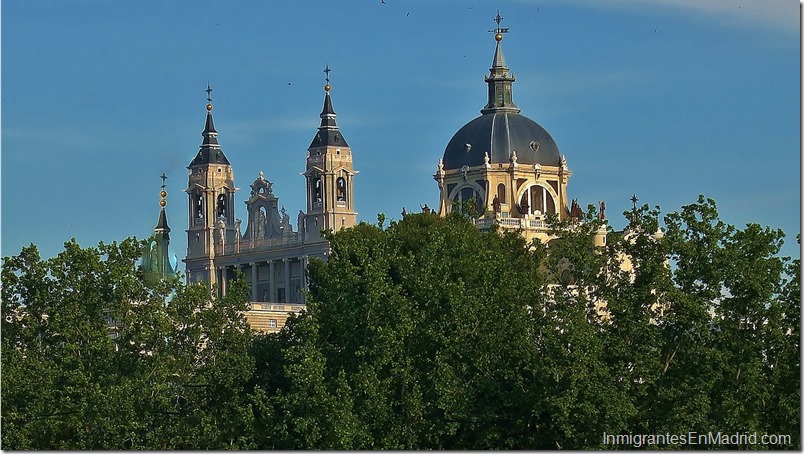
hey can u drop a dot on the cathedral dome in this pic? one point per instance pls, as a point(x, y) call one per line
point(499, 134)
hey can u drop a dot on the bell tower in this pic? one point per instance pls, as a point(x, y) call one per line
point(329, 177)
point(210, 191)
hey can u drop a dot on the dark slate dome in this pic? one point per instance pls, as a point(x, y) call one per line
point(498, 134)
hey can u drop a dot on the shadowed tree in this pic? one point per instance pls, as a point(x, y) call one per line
point(95, 358)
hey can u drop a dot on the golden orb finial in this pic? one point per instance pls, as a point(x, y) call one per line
point(209, 107)
point(163, 194)
point(327, 87)
point(162, 203)
point(498, 37)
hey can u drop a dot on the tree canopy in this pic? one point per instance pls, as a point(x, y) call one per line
point(423, 334)
point(95, 358)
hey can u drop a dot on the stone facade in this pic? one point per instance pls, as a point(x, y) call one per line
point(270, 254)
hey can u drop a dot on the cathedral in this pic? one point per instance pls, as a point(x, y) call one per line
point(502, 166)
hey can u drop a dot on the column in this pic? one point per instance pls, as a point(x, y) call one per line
point(272, 296)
point(303, 278)
point(287, 279)
point(253, 281)
point(224, 280)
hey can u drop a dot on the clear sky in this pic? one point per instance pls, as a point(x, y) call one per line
point(667, 99)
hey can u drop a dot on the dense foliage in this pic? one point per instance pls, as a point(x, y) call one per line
point(93, 358)
point(425, 334)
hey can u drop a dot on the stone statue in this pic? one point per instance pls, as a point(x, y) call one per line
point(222, 230)
point(602, 215)
point(575, 210)
point(404, 212)
point(262, 225)
point(496, 204)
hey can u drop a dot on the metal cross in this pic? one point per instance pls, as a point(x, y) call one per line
point(209, 91)
point(327, 70)
point(634, 200)
point(163, 177)
point(499, 19)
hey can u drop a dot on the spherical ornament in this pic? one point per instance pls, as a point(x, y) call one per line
point(498, 37)
point(209, 107)
point(162, 203)
point(163, 194)
point(327, 87)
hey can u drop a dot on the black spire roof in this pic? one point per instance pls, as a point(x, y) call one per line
point(210, 151)
point(328, 133)
point(162, 223)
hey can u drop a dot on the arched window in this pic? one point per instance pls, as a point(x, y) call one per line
point(341, 187)
point(501, 192)
point(459, 202)
point(222, 206)
point(199, 207)
point(536, 200)
point(318, 184)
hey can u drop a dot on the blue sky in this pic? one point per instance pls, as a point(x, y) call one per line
point(667, 99)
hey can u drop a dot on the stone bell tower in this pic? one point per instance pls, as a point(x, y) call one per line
point(330, 177)
point(210, 191)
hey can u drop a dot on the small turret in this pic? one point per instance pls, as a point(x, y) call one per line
point(156, 256)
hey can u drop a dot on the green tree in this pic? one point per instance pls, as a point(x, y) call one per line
point(95, 358)
point(701, 323)
point(428, 334)
point(429, 329)
point(747, 319)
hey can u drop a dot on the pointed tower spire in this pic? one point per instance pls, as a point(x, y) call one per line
point(328, 133)
point(210, 151)
point(162, 224)
point(499, 80)
point(156, 257)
